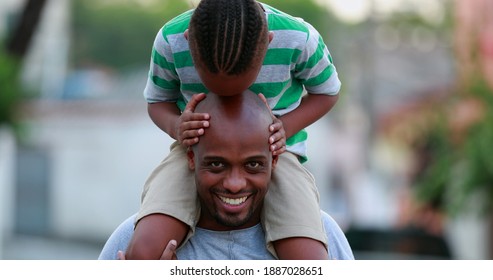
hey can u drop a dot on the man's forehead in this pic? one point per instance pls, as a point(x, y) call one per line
point(223, 146)
point(222, 157)
point(236, 123)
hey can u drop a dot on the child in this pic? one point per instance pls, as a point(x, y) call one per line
point(227, 47)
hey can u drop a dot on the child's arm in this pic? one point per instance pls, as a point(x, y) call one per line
point(153, 232)
point(311, 109)
point(185, 127)
point(151, 236)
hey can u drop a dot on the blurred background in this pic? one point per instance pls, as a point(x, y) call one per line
point(402, 162)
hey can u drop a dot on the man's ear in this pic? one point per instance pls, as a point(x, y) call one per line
point(191, 158)
point(186, 34)
point(274, 161)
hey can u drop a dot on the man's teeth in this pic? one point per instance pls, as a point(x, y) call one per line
point(233, 201)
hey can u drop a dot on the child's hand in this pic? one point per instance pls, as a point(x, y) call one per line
point(169, 252)
point(277, 139)
point(192, 125)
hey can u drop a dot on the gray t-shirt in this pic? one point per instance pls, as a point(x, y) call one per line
point(244, 244)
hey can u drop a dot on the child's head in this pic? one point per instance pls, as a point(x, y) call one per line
point(228, 40)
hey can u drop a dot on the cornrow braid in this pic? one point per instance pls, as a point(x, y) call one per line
point(227, 36)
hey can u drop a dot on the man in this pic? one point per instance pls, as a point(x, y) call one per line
point(233, 165)
point(226, 47)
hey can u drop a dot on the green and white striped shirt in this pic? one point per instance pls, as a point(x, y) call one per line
point(297, 60)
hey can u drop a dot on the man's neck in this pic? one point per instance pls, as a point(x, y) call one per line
point(230, 228)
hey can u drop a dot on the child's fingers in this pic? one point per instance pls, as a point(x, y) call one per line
point(278, 149)
point(190, 116)
point(188, 142)
point(193, 133)
point(196, 98)
point(120, 255)
point(278, 134)
point(194, 125)
point(169, 252)
point(190, 131)
point(264, 99)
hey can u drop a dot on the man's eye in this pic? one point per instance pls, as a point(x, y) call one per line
point(254, 165)
point(216, 164)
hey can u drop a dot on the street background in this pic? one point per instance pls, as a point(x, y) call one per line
point(400, 162)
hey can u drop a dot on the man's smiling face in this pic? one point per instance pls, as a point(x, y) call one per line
point(233, 165)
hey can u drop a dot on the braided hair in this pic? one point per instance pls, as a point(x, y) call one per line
point(228, 36)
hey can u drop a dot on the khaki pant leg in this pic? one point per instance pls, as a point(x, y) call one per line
point(292, 204)
point(170, 189)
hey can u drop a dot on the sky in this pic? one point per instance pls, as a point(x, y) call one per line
point(355, 11)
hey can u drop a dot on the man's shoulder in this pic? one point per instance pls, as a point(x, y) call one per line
point(328, 220)
point(339, 248)
point(118, 240)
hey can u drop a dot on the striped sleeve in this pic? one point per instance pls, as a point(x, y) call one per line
point(315, 68)
point(163, 84)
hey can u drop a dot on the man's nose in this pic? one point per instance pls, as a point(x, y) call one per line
point(235, 181)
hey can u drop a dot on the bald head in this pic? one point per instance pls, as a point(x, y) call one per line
point(244, 113)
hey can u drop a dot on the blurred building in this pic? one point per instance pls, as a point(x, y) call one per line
point(79, 168)
point(474, 40)
point(466, 61)
point(8, 11)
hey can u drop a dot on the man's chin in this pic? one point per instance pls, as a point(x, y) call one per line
point(232, 221)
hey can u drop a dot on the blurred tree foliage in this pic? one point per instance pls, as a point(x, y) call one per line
point(460, 165)
point(457, 151)
point(434, 160)
point(475, 151)
point(12, 51)
point(10, 91)
point(118, 34)
point(311, 12)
